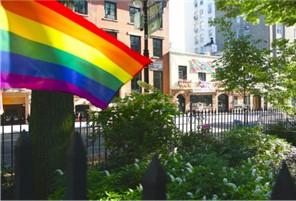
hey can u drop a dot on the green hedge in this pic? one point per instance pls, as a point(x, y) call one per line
point(242, 166)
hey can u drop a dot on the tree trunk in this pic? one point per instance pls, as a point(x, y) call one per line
point(51, 124)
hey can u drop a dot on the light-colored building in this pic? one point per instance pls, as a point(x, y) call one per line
point(192, 86)
point(116, 17)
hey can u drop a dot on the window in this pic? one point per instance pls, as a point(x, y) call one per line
point(195, 3)
point(135, 43)
point(202, 25)
point(204, 99)
point(235, 100)
point(132, 12)
point(279, 29)
point(210, 33)
point(182, 72)
point(157, 47)
point(157, 81)
point(201, 2)
point(202, 76)
point(196, 41)
point(112, 33)
point(201, 13)
point(209, 8)
point(202, 39)
point(81, 6)
point(110, 10)
point(134, 83)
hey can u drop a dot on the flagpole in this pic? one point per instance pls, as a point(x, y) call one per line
point(146, 51)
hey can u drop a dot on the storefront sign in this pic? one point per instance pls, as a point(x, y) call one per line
point(197, 66)
point(203, 87)
point(156, 66)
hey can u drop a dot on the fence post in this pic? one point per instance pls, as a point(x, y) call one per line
point(284, 188)
point(76, 168)
point(23, 168)
point(154, 181)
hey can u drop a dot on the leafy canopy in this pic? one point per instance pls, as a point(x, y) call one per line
point(274, 11)
point(138, 125)
point(244, 65)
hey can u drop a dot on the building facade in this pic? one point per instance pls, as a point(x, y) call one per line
point(118, 18)
point(192, 86)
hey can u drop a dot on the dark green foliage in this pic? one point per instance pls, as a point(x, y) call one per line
point(51, 124)
point(205, 172)
point(280, 130)
point(138, 125)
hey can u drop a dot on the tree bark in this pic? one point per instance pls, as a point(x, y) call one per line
point(51, 124)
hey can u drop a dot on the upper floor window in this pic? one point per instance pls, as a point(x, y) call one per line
point(112, 33)
point(202, 76)
point(209, 8)
point(157, 47)
point(195, 3)
point(210, 33)
point(201, 2)
point(110, 10)
point(132, 13)
point(182, 72)
point(279, 29)
point(81, 6)
point(201, 12)
point(135, 42)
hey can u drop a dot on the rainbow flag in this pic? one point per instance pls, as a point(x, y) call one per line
point(46, 46)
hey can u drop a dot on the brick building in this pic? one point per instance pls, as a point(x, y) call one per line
point(118, 18)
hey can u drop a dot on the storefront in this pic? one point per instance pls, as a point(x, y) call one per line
point(16, 105)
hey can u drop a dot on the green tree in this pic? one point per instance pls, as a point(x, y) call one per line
point(243, 66)
point(138, 125)
point(51, 123)
point(282, 89)
point(274, 11)
point(281, 92)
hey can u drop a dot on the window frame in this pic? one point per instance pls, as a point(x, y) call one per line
point(83, 4)
point(132, 16)
point(138, 49)
point(202, 76)
point(181, 70)
point(157, 48)
point(107, 16)
point(160, 79)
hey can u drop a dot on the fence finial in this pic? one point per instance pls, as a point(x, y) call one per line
point(76, 167)
point(154, 181)
point(23, 168)
point(284, 188)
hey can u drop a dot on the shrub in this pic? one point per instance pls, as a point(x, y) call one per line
point(205, 172)
point(138, 125)
point(280, 130)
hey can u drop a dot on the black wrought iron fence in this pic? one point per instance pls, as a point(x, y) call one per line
point(211, 122)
